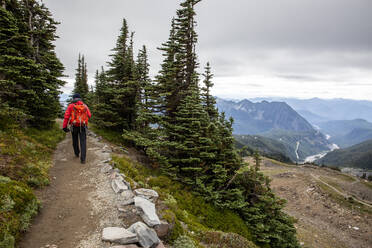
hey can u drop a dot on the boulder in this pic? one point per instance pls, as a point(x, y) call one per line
point(148, 211)
point(149, 194)
point(127, 195)
point(119, 235)
point(162, 230)
point(146, 236)
point(118, 185)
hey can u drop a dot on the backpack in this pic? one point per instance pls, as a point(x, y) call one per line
point(79, 115)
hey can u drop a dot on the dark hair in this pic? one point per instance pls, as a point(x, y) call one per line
point(76, 95)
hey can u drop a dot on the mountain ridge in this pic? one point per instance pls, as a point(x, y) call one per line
point(278, 121)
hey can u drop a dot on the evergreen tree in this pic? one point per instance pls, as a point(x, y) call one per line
point(188, 144)
point(81, 79)
point(123, 81)
point(146, 95)
point(198, 144)
point(209, 101)
point(31, 70)
point(104, 113)
point(180, 60)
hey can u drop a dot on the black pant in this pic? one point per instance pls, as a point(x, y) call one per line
point(76, 133)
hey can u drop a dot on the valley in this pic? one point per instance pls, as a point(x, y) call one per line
point(301, 131)
point(332, 209)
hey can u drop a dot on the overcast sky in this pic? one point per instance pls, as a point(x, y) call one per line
point(257, 48)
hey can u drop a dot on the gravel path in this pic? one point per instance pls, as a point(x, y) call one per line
point(78, 204)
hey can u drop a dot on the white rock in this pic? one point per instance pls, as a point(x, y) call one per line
point(118, 185)
point(148, 211)
point(127, 195)
point(106, 168)
point(119, 235)
point(355, 228)
point(149, 194)
point(146, 236)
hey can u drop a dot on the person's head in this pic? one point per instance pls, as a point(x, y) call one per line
point(76, 97)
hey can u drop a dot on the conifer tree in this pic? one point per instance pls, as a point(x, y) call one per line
point(81, 78)
point(122, 80)
point(178, 69)
point(146, 97)
point(209, 101)
point(199, 145)
point(104, 113)
point(32, 68)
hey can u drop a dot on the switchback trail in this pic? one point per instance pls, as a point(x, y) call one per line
point(78, 203)
point(339, 192)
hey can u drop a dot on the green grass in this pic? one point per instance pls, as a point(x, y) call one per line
point(181, 205)
point(279, 163)
point(346, 177)
point(25, 159)
point(111, 136)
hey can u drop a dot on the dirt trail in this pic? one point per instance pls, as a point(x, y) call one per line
point(78, 203)
point(339, 192)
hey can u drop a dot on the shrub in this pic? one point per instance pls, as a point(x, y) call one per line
point(184, 242)
point(223, 240)
point(18, 205)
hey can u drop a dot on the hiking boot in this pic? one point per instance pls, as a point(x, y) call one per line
point(76, 155)
point(83, 161)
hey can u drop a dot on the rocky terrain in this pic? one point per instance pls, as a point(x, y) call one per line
point(332, 209)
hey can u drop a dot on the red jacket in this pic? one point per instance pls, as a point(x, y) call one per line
point(69, 110)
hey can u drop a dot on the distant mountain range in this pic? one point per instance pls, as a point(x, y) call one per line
point(346, 133)
point(357, 156)
point(261, 117)
point(277, 121)
point(317, 110)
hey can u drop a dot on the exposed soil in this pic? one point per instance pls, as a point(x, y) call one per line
point(319, 199)
point(78, 203)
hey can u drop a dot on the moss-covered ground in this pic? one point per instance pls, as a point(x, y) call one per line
point(25, 159)
point(189, 213)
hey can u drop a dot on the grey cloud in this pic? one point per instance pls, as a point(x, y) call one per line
point(300, 77)
point(298, 40)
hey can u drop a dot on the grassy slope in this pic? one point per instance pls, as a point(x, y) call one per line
point(25, 158)
point(266, 146)
point(207, 225)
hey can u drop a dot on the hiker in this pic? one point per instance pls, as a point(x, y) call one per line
point(77, 115)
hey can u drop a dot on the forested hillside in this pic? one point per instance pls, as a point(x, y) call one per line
point(29, 89)
point(356, 156)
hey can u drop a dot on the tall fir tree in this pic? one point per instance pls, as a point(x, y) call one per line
point(178, 69)
point(209, 101)
point(81, 78)
point(33, 68)
point(123, 81)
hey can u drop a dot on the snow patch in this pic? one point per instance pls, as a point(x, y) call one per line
point(296, 151)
